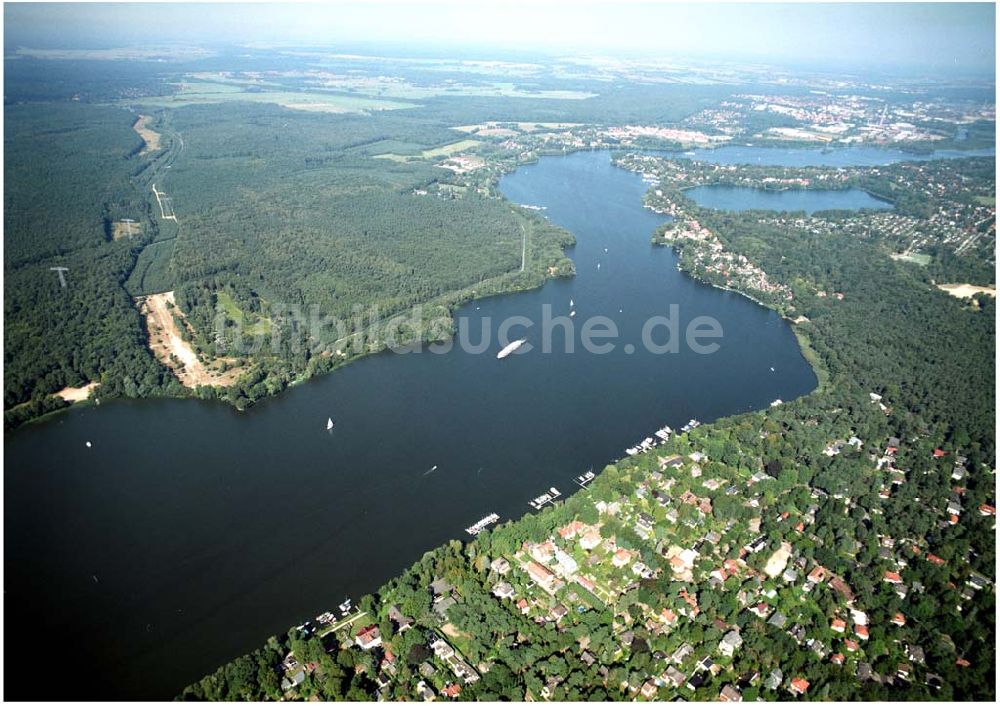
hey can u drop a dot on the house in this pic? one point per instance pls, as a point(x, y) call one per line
point(543, 552)
point(648, 690)
point(442, 649)
point(774, 680)
point(681, 653)
point(542, 576)
point(585, 582)
point(621, 558)
point(590, 539)
point(368, 638)
point(730, 643)
point(838, 625)
point(899, 619)
point(523, 606)
point(424, 692)
point(861, 631)
point(290, 682)
point(987, 510)
point(503, 590)
point(566, 562)
point(837, 658)
point(892, 577)
point(840, 586)
point(571, 530)
point(670, 462)
point(587, 658)
point(798, 686)
point(936, 560)
point(667, 617)
point(440, 589)
point(558, 612)
point(402, 622)
point(915, 653)
point(778, 620)
point(441, 607)
point(818, 575)
point(675, 677)
point(500, 565)
point(452, 690)
point(730, 693)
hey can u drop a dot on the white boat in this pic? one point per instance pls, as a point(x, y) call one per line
point(510, 348)
point(772, 370)
point(598, 265)
point(329, 423)
point(605, 249)
point(570, 303)
point(572, 314)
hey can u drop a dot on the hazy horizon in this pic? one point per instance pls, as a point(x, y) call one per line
point(958, 38)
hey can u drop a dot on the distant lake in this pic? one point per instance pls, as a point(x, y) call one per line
point(857, 156)
point(188, 532)
point(739, 198)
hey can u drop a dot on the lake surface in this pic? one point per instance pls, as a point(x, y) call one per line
point(741, 198)
point(857, 156)
point(189, 532)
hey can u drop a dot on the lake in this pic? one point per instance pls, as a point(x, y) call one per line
point(855, 156)
point(742, 198)
point(189, 533)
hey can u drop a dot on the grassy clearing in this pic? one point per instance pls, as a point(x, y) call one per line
point(448, 150)
point(233, 311)
point(917, 258)
point(433, 153)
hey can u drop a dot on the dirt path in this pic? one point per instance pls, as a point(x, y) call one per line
point(172, 350)
point(150, 137)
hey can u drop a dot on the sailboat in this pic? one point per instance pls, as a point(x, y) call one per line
point(570, 303)
point(329, 424)
point(598, 265)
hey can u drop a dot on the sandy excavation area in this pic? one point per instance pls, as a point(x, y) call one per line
point(150, 137)
point(77, 394)
point(964, 291)
point(170, 348)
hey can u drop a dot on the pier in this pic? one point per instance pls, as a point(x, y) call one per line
point(540, 502)
point(482, 524)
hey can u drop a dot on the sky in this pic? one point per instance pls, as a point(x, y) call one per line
point(955, 36)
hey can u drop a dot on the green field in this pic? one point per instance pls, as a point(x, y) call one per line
point(208, 93)
point(442, 151)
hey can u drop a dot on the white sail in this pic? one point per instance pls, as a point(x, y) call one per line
point(329, 423)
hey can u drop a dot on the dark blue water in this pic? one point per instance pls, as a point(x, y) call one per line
point(189, 532)
point(739, 198)
point(859, 156)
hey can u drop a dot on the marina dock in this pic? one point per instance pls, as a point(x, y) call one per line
point(482, 524)
point(539, 502)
